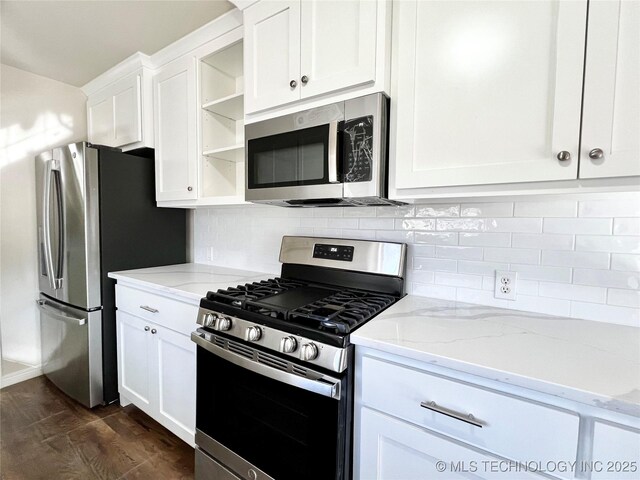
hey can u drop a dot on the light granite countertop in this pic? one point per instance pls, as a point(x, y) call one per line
point(590, 362)
point(189, 281)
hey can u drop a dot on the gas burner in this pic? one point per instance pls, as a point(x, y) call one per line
point(238, 296)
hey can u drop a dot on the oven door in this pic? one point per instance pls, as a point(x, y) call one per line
point(294, 159)
point(262, 421)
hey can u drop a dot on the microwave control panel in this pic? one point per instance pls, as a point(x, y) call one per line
point(357, 138)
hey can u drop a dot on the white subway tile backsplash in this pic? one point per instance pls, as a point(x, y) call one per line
point(548, 274)
point(561, 208)
point(606, 278)
point(624, 298)
point(512, 255)
point(487, 210)
point(574, 226)
point(437, 210)
point(625, 262)
point(376, 224)
point(573, 292)
point(434, 264)
point(563, 258)
point(544, 241)
point(626, 226)
point(578, 259)
point(415, 224)
point(485, 239)
point(514, 225)
point(624, 206)
point(461, 253)
point(449, 238)
point(608, 243)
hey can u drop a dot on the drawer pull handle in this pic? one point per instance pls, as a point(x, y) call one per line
point(468, 418)
point(149, 309)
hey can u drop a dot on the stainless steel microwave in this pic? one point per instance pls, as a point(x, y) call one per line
point(326, 156)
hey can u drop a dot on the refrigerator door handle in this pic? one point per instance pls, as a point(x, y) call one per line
point(57, 280)
point(53, 312)
point(46, 221)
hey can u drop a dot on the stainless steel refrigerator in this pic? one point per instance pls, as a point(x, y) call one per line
point(96, 213)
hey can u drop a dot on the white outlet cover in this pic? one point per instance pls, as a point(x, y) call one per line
point(505, 285)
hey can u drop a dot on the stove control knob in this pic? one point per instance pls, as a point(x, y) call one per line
point(253, 334)
point(308, 352)
point(288, 345)
point(222, 324)
point(207, 319)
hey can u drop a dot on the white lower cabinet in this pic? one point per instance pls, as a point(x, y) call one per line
point(616, 452)
point(157, 363)
point(391, 449)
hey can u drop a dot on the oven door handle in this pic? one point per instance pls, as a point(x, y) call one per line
point(323, 385)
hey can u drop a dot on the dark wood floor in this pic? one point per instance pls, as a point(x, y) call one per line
point(46, 435)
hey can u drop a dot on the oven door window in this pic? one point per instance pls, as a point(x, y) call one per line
point(289, 159)
point(287, 432)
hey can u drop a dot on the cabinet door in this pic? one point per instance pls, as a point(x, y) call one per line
point(272, 54)
point(127, 111)
point(611, 119)
point(100, 120)
point(133, 360)
point(390, 449)
point(174, 381)
point(486, 92)
point(616, 451)
point(337, 44)
point(174, 92)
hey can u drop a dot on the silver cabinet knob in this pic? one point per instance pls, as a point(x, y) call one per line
point(293, 84)
point(596, 154)
point(154, 331)
point(253, 334)
point(564, 156)
point(146, 329)
point(190, 189)
point(288, 345)
point(304, 79)
point(309, 351)
point(222, 324)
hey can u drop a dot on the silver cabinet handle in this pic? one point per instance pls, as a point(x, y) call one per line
point(147, 328)
point(564, 156)
point(596, 154)
point(149, 309)
point(154, 331)
point(293, 84)
point(468, 418)
point(304, 79)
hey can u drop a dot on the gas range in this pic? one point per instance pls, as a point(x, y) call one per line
point(309, 311)
point(275, 368)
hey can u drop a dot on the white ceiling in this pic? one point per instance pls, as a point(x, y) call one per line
point(75, 41)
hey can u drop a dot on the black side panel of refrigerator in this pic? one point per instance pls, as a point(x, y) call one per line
point(134, 233)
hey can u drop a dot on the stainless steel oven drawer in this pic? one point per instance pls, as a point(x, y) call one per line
point(208, 469)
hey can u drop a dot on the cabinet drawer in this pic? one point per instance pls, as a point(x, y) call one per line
point(164, 311)
point(616, 452)
point(510, 427)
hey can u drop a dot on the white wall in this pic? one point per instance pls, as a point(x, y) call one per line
point(574, 258)
point(36, 113)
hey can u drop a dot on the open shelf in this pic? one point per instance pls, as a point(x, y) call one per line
point(234, 153)
point(231, 106)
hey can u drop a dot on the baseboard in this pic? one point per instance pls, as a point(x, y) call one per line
point(20, 376)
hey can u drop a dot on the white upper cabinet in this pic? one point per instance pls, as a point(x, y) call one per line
point(486, 92)
point(174, 93)
point(272, 54)
point(611, 122)
point(299, 49)
point(119, 106)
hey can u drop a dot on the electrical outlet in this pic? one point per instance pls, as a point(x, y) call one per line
point(505, 286)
